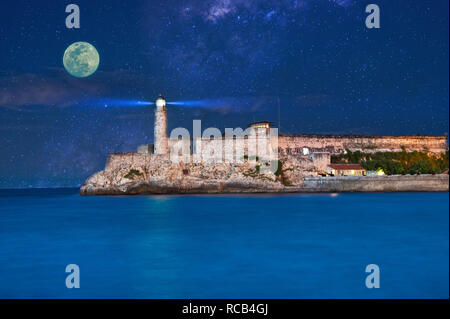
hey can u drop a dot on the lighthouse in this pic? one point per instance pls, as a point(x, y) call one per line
point(161, 143)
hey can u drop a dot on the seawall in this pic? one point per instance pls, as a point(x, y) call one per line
point(395, 183)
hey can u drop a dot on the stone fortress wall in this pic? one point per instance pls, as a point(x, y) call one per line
point(117, 160)
point(316, 148)
point(337, 144)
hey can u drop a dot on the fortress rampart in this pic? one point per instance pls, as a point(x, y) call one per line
point(118, 160)
point(333, 144)
point(336, 144)
point(298, 145)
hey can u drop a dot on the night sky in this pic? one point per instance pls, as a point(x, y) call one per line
point(235, 57)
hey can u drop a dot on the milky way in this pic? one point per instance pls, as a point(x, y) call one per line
point(227, 62)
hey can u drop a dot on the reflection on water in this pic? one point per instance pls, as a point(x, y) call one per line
point(270, 246)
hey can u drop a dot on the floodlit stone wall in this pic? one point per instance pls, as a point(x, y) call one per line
point(298, 145)
point(335, 144)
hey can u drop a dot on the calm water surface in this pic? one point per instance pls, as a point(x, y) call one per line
point(289, 246)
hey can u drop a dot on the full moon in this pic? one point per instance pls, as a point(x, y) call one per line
point(81, 59)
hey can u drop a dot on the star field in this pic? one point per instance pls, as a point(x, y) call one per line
point(330, 73)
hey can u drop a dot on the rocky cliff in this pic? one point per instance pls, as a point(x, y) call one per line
point(134, 173)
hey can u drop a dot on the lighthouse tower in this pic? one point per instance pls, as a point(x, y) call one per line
point(161, 140)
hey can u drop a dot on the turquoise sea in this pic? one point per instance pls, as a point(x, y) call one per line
point(261, 246)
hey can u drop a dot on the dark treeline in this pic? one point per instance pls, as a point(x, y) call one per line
point(397, 163)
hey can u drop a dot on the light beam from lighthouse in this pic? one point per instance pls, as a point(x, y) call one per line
point(160, 134)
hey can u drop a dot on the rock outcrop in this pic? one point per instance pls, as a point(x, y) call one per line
point(134, 173)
